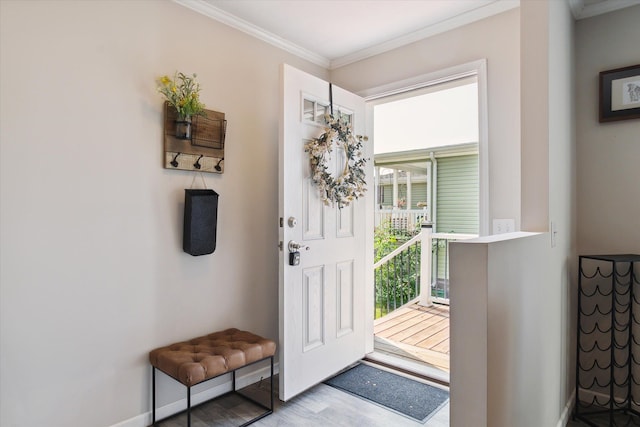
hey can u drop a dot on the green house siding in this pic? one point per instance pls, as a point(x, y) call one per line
point(458, 195)
point(418, 194)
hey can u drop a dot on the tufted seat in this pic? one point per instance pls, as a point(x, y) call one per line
point(199, 359)
point(203, 358)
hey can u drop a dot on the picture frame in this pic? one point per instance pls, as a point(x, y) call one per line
point(620, 94)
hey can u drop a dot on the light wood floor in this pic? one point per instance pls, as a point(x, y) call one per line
point(416, 332)
point(321, 405)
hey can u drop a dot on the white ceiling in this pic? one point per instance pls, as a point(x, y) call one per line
point(332, 33)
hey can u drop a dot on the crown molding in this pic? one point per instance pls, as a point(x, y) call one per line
point(481, 12)
point(207, 9)
point(581, 10)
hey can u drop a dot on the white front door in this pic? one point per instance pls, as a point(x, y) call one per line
point(322, 299)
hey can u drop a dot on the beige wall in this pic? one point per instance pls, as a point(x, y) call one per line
point(496, 39)
point(608, 153)
point(92, 270)
point(534, 114)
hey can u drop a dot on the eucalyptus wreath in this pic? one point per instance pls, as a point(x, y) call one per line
point(350, 184)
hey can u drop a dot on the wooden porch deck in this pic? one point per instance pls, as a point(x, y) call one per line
point(417, 333)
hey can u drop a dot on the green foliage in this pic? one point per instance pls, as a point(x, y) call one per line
point(183, 93)
point(396, 282)
point(385, 241)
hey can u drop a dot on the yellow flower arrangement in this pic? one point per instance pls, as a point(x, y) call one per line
point(183, 93)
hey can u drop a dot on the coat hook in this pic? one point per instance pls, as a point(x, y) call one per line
point(174, 162)
point(197, 164)
point(217, 166)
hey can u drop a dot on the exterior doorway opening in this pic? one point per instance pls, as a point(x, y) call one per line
point(427, 170)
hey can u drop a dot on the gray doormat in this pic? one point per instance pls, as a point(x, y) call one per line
point(400, 394)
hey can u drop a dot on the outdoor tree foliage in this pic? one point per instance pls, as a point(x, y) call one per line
point(397, 281)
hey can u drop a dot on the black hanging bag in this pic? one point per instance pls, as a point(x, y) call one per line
point(200, 220)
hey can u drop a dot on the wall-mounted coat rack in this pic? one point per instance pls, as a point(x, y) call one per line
point(204, 150)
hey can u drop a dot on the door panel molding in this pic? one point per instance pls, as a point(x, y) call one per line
point(344, 297)
point(313, 307)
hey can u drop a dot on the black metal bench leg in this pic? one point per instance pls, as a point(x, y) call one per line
point(188, 406)
point(271, 380)
point(153, 395)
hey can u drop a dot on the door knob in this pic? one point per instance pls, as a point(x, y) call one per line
point(295, 246)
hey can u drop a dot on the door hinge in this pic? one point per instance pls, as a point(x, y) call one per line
point(281, 222)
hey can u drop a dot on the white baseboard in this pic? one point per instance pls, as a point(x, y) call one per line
point(591, 395)
point(568, 409)
point(144, 420)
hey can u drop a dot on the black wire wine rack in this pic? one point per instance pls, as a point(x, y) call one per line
point(608, 341)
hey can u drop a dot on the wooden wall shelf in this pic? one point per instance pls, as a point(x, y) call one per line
point(204, 152)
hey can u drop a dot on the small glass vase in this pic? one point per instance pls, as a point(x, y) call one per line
point(183, 127)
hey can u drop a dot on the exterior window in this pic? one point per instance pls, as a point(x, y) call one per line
point(308, 110)
point(320, 112)
point(314, 111)
point(346, 117)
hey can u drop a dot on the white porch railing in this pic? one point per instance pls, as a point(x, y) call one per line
point(398, 275)
point(406, 220)
point(440, 264)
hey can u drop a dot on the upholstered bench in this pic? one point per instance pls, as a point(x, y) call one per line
point(205, 358)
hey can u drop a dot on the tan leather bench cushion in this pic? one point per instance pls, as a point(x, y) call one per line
point(199, 359)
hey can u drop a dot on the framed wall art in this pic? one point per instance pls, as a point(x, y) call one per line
point(620, 94)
